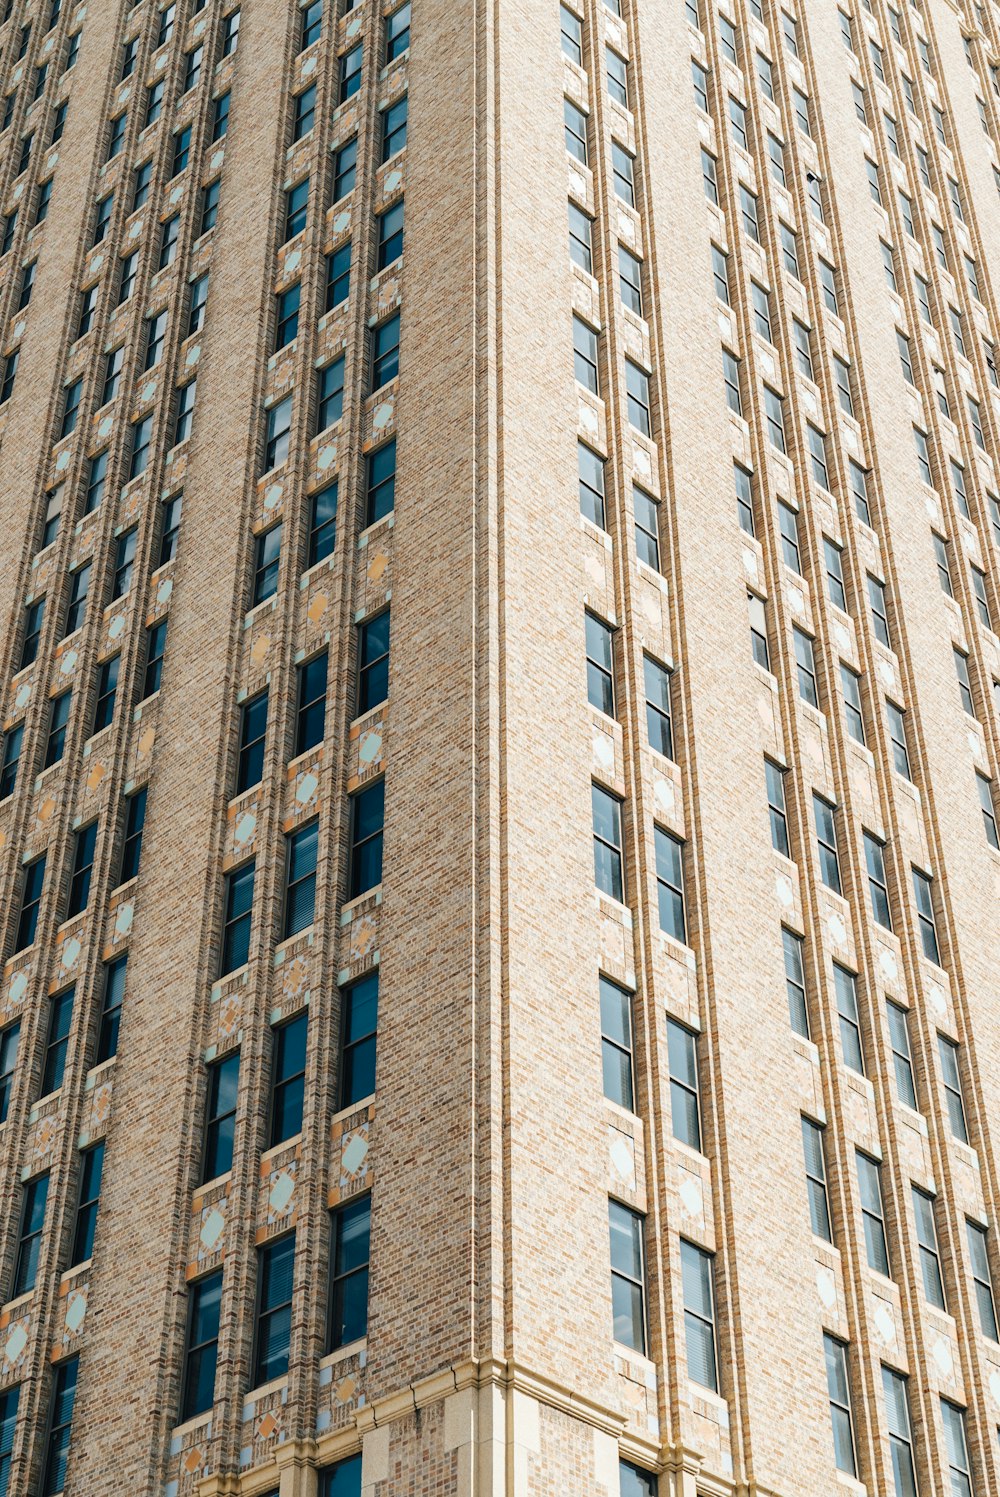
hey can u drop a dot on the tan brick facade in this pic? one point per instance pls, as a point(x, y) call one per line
point(806, 196)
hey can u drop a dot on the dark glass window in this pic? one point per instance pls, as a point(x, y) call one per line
point(300, 893)
point(60, 1427)
point(381, 483)
point(135, 820)
point(220, 1115)
point(288, 1078)
point(111, 1010)
point(359, 1028)
point(322, 524)
point(29, 1243)
point(275, 1274)
point(253, 731)
point(91, 1169)
point(83, 866)
point(373, 662)
point(202, 1347)
point(31, 895)
point(57, 1041)
point(239, 912)
point(367, 819)
point(310, 723)
point(351, 1228)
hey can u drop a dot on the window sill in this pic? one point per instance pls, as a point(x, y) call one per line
point(211, 1186)
point(361, 1105)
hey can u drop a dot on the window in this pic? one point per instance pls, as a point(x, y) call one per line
point(350, 73)
point(623, 166)
point(111, 1009)
point(359, 1027)
point(833, 558)
point(267, 561)
point(748, 214)
point(57, 1042)
point(617, 77)
point(930, 1264)
point(982, 1278)
point(775, 781)
point(297, 200)
point(135, 820)
point(124, 563)
point(859, 488)
point(344, 170)
point(185, 411)
point(774, 411)
point(33, 615)
point(923, 456)
point(230, 33)
point(31, 895)
point(952, 1079)
point(846, 989)
point(166, 24)
point(697, 1274)
point(953, 1419)
point(872, 1212)
point(201, 1349)
point(390, 235)
point(58, 719)
point(351, 1232)
point(71, 406)
point(591, 483)
point(896, 721)
point(155, 330)
point(817, 455)
point(720, 274)
point(312, 18)
point(606, 810)
point(60, 1427)
point(585, 354)
point(141, 436)
point(616, 1043)
point(181, 151)
point(897, 1409)
point(116, 137)
point(805, 667)
point(923, 895)
point(902, 1059)
point(815, 1162)
point(9, 375)
point(727, 37)
point(575, 122)
point(943, 567)
point(789, 250)
point(788, 525)
point(154, 102)
point(670, 883)
point(979, 589)
point(985, 789)
point(304, 116)
point(647, 528)
point(192, 69)
point(393, 129)
point(628, 1293)
point(795, 983)
point(287, 325)
point(322, 524)
point(91, 1168)
point(637, 388)
point(279, 422)
point(964, 684)
point(310, 718)
point(156, 644)
point(367, 821)
point(731, 380)
point(273, 1330)
point(758, 630)
point(631, 1481)
point(656, 682)
point(29, 1242)
point(238, 914)
point(343, 1479)
point(877, 887)
point(84, 844)
point(338, 277)
point(685, 1111)
point(196, 311)
point(112, 374)
point(397, 32)
point(373, 663)
point(838, 1387)
point(571, 32)
point(761, 299)
point(9, 1400)
point(828, 282)
point(385, 352)
point(253, 730)
point(210, 205)
point(738, 122)
point(600, 664)
point(12, 742)
point(300, 889)
point(220, 1116)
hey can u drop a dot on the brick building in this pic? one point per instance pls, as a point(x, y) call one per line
point(499, 745)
